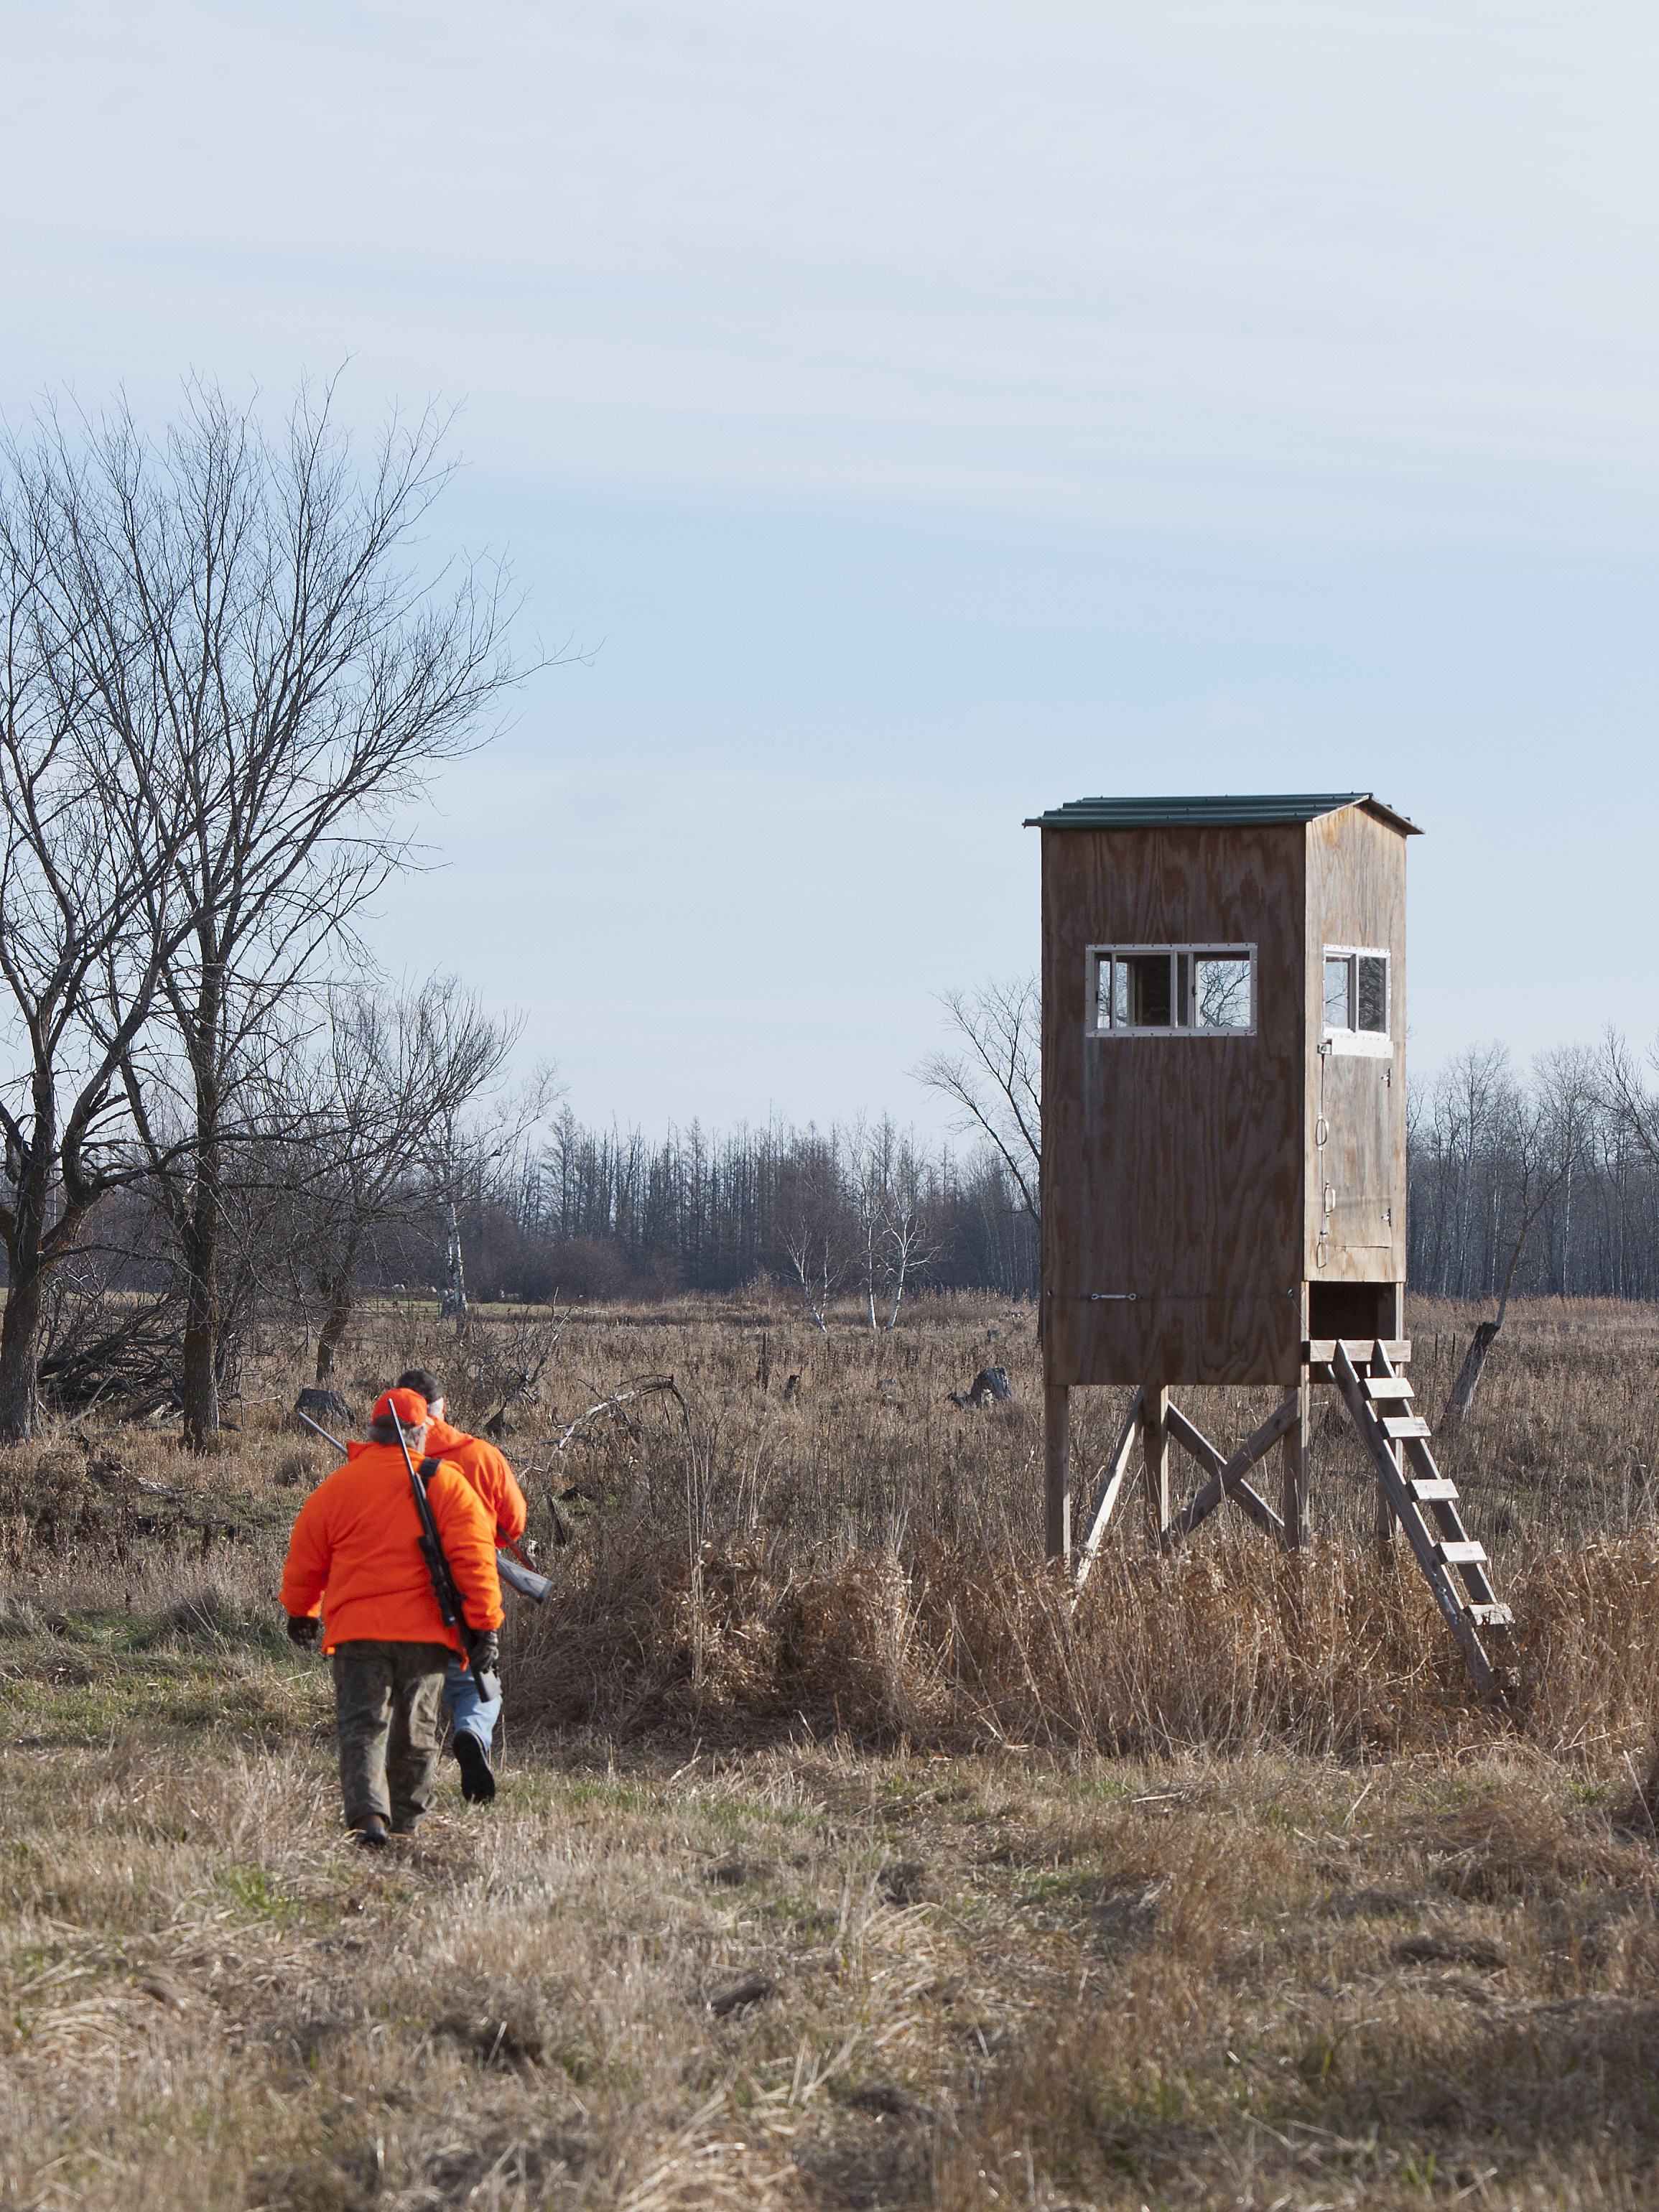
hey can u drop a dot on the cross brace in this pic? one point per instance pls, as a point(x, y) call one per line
point(1421, 1499)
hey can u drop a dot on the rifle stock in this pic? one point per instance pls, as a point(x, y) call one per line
point(523, 1579)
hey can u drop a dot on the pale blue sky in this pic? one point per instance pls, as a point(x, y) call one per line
point(924, 415)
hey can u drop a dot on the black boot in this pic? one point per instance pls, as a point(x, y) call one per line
point(478, 1782)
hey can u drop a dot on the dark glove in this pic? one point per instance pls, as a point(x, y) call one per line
point(485, 1656)
point(302, 1630)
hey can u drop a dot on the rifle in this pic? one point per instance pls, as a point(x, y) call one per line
point(450, 1608)
point(514, 1569)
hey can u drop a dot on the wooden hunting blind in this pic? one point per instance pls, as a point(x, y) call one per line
point(1223, 1152)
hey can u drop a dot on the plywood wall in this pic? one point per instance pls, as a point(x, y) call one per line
point(1174, 1167)
point(1189, 1170)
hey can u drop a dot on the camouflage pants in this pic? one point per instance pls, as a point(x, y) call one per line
point(386, 1700)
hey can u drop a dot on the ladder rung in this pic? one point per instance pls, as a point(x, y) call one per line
point(1387, 1386)
point(1469, 1554)
point(1427, 1490)
point(1491, 1616)
point(1404, 1424)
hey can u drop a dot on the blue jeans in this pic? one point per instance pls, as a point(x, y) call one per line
point(470, 1714)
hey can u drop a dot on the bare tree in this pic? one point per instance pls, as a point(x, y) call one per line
point(1623, 1087)
point(248, 616)
point(370, 1118)
point(89, 918)
point(820, 1266)
point(994, 1077)
point(1572, 1081)
point(884, 1189)
point(1537, 1132)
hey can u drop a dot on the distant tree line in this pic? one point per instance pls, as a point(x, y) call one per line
point(1540, 1180)
point(861, 1208)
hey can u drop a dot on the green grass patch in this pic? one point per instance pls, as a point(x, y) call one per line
point(100, 1675)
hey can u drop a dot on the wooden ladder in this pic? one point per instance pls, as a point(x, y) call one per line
point(1423, 1501)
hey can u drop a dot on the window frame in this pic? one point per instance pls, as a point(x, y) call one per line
point(1370, 1044)
point(1208, 946)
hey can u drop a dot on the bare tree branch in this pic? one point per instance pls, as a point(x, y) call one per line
point(995, 1079)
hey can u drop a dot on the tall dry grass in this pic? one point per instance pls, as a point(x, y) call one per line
point(1235, 1648)
point(811, 1529)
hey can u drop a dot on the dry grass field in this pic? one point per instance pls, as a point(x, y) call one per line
point(838, 1861)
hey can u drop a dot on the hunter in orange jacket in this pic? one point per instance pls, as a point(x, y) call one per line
point(487, 1470)
point(473, 1717)
point(356, 1551)
point(484, 1468)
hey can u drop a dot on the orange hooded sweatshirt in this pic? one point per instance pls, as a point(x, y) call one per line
point(487, 1470)
point(356, 1551)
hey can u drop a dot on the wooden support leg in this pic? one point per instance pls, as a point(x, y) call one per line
point(1154, 1452)
point(1293, 1454)
point(1057, 1471)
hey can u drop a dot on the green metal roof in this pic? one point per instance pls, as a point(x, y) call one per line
point(1251, 809)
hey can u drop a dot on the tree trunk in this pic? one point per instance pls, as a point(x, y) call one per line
point(27, 1264)
point(328, 1337)
point(1468, 1374)
point(456, 1304)
point(19, 1334)
point(201, 1344)
point(339, 1312)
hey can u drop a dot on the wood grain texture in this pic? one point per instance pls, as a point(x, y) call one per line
point(1173, 1165)
point(1188, 1170)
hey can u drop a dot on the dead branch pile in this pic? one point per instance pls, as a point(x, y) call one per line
point(104, 1350)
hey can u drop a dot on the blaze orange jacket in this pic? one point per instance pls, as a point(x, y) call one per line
point(356, 1551)
point(487, 1470)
